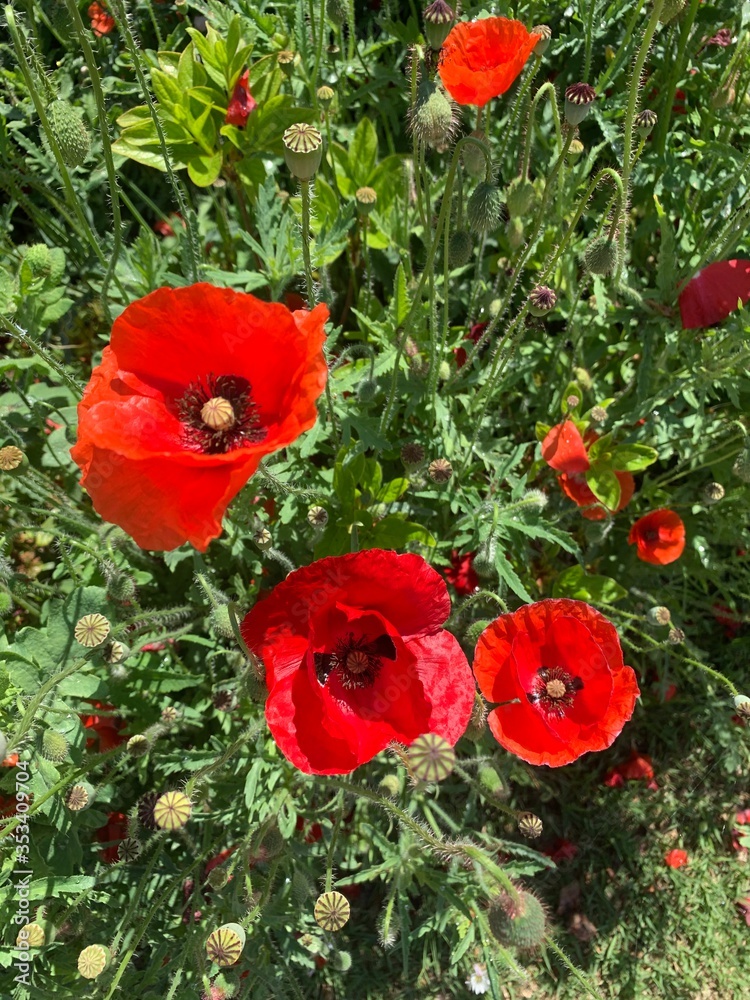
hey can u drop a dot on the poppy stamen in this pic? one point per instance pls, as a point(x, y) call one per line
point(358, 660)
point(554, 690)
point(218, 414)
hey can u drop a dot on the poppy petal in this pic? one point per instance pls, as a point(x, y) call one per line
point(713, 293)
point(563, 448)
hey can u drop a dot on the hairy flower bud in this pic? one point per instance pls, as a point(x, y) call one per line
point(70, 133)
point(601, 256)
point(484, 208)
point(459, 248)
point(337, 11)
point(519, 196)
point(671, 9)
point(579, 99)
point(433, 118)
point(472, 157)
point(54, 746)
point(37, 259)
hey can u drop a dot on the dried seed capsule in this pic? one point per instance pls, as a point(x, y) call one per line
point(10, 458)
point(431, 757)
point(172, 810)
point(128, 850)
point(115, 652)
point(317, 516)
point(80, 797)
point(224, 945)
point(92, 630)
point(332, 911)
point(675, 636)
point(713, 492)
point(742, 705)
point(412, 455)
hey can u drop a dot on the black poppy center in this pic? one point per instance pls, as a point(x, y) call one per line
point(554, 690)
point(356, 659)
point(651, 535)
point(218, 414)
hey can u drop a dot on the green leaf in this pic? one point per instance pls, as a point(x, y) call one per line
point(510, 577)
point(542, 430)
point(600, 447)
point(571, 389)
point(633, 457)
point(167, 89)
point(392, 532)
point(203, 170)
point(393, 490)
point(582, 586)
point(605, 485)
point(400, 304)
point(363, 152)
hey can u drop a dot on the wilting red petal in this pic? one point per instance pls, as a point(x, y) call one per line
point(659, 537)
point(480, 60)
point(242, 102)
point(714, 293)
point(563, 448)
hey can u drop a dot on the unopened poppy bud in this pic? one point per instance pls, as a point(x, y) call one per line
point(433, 118)
point(536, 498)
point(342, 961)
point(675, 636)
point(92, 630)
point(325, 96)
point(472, 157)
point(484, 562)
point(601, 256)
point(644, 121)
point(519, 196)
point(583, 377)
point(514, 234)
point(6, 606)
point(138, 745)
point(459, 248)
point(440, 470)
point(542, 300)
point(659, 615)
point(530, 826)
point(303, 150)
point(518, 919)
point(542, 45)
point(121, 587)
point(80, 796)
point(10, 458)
point(70, 133)
point(579, 99)
point(472, 633)
point(93, 961)
point(431, 757)
point(389, 785)
point(713, 492)
point(484, 208)
point(366, 199)
point(263, 539)
point(128, 850)
point(575, 149)
point(224, 944)
point(331, 911)
point(337, 11)
point(286, 59)
point(742, 705)
point(444, 371)
point(172, 810)
point(317, 516)
point(412, 455)
point(491, 782)
point(54, 746)
point(37, 259)
point(671, 9)
point(438, 20)
point(598, 414)
point(220, 621)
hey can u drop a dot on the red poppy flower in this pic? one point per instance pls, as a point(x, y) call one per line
point(113, 831)
point(660, 537)
point(106, 727)
point(555, 669)
point(356, 658)
point(197, 386)
point(575, 487)
point(715, 292)
point(474, 335)
point(743, 905)
point(461, 573)
point(242, 102)
point(638, 767)
point(10, 761)
point(564, 450)
point(102, 21)
point(676, 858)
point(481, 59)
point(562, 850)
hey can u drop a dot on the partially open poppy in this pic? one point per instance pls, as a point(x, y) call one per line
point(197, 385)
point(105, 727)
point(555, 671)
point(564, 450)
point(102, 21)
point(659, 536)
point(575, 487)
point(481, 59)
point(714, 293)
point(356, 657)
point(242, 102)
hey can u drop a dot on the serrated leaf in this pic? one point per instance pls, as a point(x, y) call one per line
point(511, 578)
point(582, 586)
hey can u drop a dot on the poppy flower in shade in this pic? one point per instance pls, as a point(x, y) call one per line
point(659, 536)
point(638, 767)
point(676, 858)
point(197, 385)
point(575, 487)
point(564, 450)
point(105, 727)
point(480, 60)
point(461, 573)
point(555, 671)
point(562, 850)
point(242, 102)
point(356, 658)
point(474, 335)
point(715, 292)
point(113, 831)
point(102, 21)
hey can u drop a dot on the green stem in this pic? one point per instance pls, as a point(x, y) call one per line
point(305, 188)
point(517, 105)
point(318, 52)
point(23, 338)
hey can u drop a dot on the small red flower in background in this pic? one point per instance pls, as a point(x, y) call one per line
point(356, 657)
point(113, 831)
point(10, 761)
point(102, 21)
point(722, 38)
point(556, 670)
point(564, 450)
point(562, 850)
point(474, 335)
point(7, 805)
point(461, 573)
point(743, 905)
point(741, 818)
point(659, 536)
point(638, 767)
point(575, 487)
point(242, 102)
point(480, 60)
point(313, 834)
point(715, 292)
point(728, 620)
point(676, 858)
point(197, 385)
point(106, 727)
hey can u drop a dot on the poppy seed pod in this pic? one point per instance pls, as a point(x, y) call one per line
point(70, 133)
point(579, 99)
point(440, 470)
point(484, 208)
point(601, 256)
point(337, 11)
point(10, 458)
point(659, 615)
point(545, 37)
point(542, 300)
point(92, 630)
point(224, 945)
point(332, 911)
point(138, 745)
point(317, 516)
point(31, 936)
point(431, 758)
point(438, 20)
point(459, 248)
point(742, 705)
point(172, 810)
point(93, 961)
point(598, 413)
point(575, 149)
point(530, 826)
point(713, 492)
point(325, 96)
point(518, 919)
point(412, 455)
point(366, 199)
point(472, 157)
point(80, 796)
point(644, 121)
point(432, 119)
point(303, 150)
point(285, 60)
